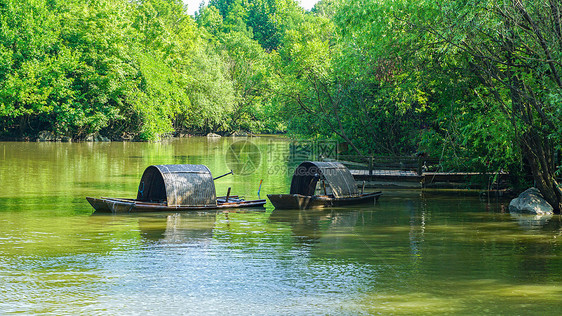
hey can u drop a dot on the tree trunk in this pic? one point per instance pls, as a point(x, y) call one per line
point(538, 153)
point(535, 146)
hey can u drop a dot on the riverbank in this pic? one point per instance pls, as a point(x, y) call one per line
point(48, 136)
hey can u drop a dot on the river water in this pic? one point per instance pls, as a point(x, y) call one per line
point(412, 252)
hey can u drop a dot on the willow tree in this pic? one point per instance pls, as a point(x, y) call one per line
point(511, 53)
point(495, 62)
point(514, 48)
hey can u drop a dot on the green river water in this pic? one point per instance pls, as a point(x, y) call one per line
point(412, 253)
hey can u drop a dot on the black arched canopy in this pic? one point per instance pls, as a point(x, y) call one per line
point(334, 174)
point(178, 185)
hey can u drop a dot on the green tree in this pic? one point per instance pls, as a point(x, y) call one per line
point(246, 64)
point(487, 70)
point(160, 98)
point(210, 90)
point(116, 67)
point(514, 48)
point(64, 67)
point(337, 82)
point(266, 19)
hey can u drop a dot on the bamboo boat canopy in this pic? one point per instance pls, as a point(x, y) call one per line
point(178, 185)
point(334, 174)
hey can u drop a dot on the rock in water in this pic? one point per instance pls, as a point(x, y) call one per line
point(530, 201)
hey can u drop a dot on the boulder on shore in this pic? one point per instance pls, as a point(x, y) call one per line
point(47, 136)
point(96, 138)
point(530, 201)
point(240, 134)
point(213, 135)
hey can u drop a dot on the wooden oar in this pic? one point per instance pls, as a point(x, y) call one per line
point(226, 174)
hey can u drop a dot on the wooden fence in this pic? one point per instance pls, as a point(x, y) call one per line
point(418, 164)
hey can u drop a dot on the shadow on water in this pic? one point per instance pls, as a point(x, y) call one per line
point(305, 225)
point(177, 227)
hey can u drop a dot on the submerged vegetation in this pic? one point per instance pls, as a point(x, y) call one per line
point(474, 82)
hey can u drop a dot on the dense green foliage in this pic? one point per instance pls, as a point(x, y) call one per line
point(125, 69)
point(475, 83)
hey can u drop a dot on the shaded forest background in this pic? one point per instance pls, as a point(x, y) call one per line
point(474, 82)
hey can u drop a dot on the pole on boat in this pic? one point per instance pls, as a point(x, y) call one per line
point(363, 188)
point(226, 174)
point(259, 189)
point(227, 195)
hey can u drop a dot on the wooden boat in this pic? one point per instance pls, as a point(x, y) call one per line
point(174, 188)
point(302, 202)
point(322, 184)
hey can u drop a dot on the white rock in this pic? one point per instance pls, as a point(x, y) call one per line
point(530, 201)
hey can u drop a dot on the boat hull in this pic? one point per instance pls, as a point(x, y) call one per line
point(302, 202)
point(116, 205)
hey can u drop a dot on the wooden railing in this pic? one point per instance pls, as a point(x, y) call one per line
point(419, 164)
